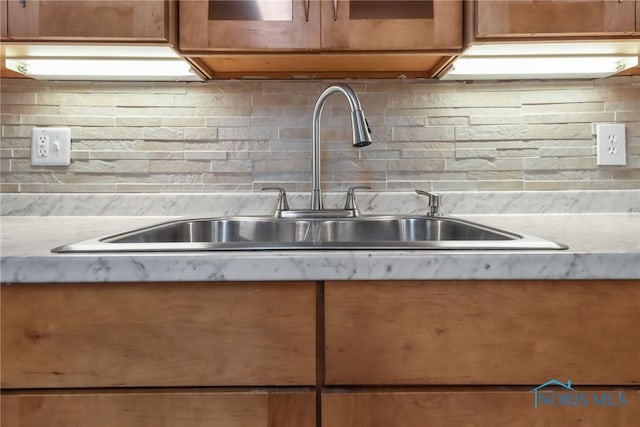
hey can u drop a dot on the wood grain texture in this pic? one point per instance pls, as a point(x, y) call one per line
point(3, 20)
point(167, 408)
point(322, 65)
point(482, 332)
point(86, 20)
point(469, 408)
point(554, 18)
point(292, 409)
point(441, 33)
point(171, 334)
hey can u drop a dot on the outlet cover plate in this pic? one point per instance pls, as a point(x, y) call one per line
point(611, 144)
point(50, 146)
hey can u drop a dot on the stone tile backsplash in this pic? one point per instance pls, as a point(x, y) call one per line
point(245, 135)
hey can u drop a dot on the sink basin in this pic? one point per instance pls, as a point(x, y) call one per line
point(268, 233)
point(414, 229)
point(218, 231)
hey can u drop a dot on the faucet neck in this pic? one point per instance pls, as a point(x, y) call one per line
point(357, 125)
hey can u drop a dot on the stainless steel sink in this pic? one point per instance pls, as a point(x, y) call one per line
point(411, 229)
point(244, 230)
point(268, 233)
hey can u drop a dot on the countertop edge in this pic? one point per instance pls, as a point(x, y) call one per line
point(338, 265)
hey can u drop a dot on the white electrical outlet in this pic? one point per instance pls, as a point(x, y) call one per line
point(42, 145)
point(51, 146)
point(611, 144)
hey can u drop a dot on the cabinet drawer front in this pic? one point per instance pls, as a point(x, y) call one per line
point(173, 334)
point(482, 332)
point(477, 408)
point(163, 408)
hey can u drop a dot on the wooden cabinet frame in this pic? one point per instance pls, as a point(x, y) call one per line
point(322, 47)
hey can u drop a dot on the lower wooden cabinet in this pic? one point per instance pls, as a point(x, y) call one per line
point(482, 332)
point(158, 334)
point(495, 408)
point(390, 354)
point(195, 408)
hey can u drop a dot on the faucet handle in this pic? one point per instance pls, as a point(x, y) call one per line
point(434, 202)
point(281, 203)
point(350, 203)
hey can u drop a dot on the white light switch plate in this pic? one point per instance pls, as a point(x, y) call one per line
point(51, 146)
point(611, 144)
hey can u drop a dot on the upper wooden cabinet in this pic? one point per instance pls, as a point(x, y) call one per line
point(90, 20)
point(298, 25)
point(524, 19)
point(391, 25)
point(249, 25)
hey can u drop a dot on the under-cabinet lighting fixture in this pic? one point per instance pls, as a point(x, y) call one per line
point(134, 63)
point(103, 69)
point(545, 60)
point(538, 67)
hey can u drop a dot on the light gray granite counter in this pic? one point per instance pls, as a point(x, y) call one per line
point(604, 245)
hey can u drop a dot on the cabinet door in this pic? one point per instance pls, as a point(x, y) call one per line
point(158, 334)
point(392, 25)
point(553, 18)
point(482, 332)
point(241, 25)
point(167, 408)
point(103, 20)
point(472, 407)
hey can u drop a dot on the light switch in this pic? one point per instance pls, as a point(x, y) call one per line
point(50, 146)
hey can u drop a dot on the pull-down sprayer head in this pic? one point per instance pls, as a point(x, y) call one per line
point(361, 129)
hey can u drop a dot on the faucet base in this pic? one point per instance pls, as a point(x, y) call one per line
point(316, 199)
point(325, 213)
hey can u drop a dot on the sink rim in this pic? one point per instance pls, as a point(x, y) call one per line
point(105, 244)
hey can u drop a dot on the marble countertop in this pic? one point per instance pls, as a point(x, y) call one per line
point(601, 246)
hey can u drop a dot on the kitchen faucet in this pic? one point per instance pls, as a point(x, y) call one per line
point(360, 127)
